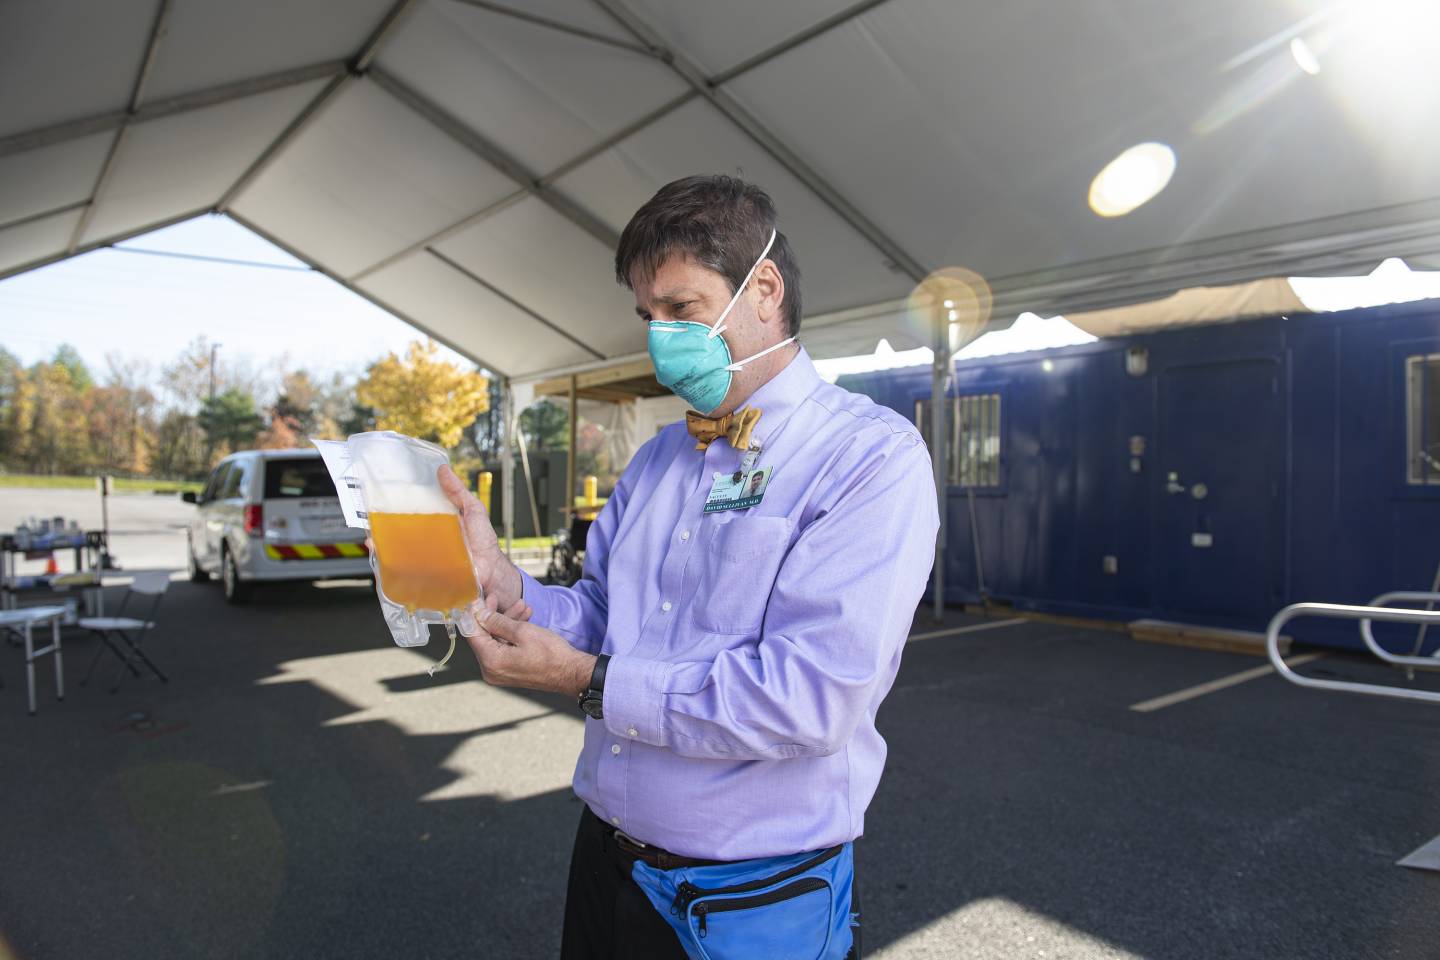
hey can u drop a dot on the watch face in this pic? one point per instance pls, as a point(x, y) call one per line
point(591, 707)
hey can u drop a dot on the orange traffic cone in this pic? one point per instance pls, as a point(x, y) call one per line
point(51, 567)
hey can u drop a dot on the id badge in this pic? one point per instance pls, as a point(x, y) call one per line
point(738, 491)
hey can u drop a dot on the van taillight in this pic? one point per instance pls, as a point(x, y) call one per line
point(254, 519)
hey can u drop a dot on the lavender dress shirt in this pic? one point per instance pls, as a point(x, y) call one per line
point(751, 648)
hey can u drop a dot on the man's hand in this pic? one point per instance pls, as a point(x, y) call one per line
point(513, 653)
point(498, 576)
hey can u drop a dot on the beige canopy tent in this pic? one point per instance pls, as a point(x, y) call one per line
point(468, 164)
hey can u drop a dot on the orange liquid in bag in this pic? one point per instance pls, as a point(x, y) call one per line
point(423, 561)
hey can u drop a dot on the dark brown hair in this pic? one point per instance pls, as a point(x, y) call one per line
point(722, 222)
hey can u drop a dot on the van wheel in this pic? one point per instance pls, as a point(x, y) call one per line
point(192, 567)
point(237, 591)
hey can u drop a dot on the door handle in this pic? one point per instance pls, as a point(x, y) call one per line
point(1173, 484)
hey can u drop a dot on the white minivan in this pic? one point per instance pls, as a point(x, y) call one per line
point(271, 515)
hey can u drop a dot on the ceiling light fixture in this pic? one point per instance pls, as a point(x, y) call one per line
point(1305, 58)
point(1132, 179)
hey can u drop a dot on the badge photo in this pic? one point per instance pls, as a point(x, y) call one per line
point(753, 486)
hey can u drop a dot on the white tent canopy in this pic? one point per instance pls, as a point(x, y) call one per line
point(469, 164)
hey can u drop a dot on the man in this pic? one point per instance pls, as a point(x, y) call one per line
point(731, 660)
point(756, 480)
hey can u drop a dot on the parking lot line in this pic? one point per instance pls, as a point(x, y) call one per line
point(1201, 689)
point(969, 628)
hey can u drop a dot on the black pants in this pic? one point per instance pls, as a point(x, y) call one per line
point(608, 916)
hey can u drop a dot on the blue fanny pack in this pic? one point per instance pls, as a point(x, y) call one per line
point(796, 906)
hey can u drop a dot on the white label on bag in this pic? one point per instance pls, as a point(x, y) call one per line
point(336, 454)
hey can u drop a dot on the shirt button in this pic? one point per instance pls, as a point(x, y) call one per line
point(615, 821)
point(615, 749)
point(684, 534)
point(633, 732)
point(665, 606)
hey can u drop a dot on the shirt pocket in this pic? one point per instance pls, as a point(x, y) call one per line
point(743, 557)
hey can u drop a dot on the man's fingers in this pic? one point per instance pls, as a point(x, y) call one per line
point(519, 611)
point(498, 625)
point(452, 487)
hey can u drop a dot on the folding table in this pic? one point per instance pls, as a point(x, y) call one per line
point(24, 621)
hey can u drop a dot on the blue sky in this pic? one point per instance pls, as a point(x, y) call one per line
point(149, 307)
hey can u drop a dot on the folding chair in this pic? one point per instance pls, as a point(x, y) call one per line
point(122, 635)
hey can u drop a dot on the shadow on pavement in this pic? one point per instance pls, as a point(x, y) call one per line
point(302, 789)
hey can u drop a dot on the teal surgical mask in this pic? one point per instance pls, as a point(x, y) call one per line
point(693, 361)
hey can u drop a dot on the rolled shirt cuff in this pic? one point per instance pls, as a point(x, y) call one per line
point(634, 703)
point(535, 594)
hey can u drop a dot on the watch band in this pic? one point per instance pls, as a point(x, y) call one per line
point(592, 700)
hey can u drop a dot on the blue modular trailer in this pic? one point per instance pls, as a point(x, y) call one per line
point(1209, 475)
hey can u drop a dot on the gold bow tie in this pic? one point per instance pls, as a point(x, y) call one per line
point(734, 427)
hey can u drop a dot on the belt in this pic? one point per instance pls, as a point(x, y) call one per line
point(648, 853)
point(654, 856)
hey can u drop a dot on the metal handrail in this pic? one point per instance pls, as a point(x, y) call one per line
point(1340, 611)
point(1368, 634)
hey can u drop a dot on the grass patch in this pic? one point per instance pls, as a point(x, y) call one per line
point(526, 543)
point(126, 484)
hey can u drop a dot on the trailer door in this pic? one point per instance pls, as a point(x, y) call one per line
point(1220, 516)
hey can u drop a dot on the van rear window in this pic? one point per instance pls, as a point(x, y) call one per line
point(301, 477)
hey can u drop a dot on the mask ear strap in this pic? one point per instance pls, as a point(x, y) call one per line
point(720, 321)
point(756, 356)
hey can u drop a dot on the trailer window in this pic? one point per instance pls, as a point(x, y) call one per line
point(973, 426)
point(978, 448)
point(1422, 416)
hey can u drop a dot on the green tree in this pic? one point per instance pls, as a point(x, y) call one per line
point(299, 402)
point(484, 435)
point(178, 449)
point(59, 439)
point(546, 426)
point(12, 375)
point(69, 358)
point(358, 419)
point(230, 420)
point(19, 410)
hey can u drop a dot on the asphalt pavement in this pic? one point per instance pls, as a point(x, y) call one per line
point(301, 789)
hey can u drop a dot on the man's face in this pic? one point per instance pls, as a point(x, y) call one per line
point(682, 289)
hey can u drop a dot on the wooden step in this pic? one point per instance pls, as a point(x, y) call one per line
point(1208, 638)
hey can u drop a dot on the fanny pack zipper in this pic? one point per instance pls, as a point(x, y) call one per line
point(688, 893)
point(798, 888)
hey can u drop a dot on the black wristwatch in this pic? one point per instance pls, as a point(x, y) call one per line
point(593, 699)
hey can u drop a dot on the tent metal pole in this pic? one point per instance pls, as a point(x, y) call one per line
point(529, 479)
point(45, 215)
point(108, 241)
point(790, 43)
point(738, 115)
point(166, 107)
point(137, 91)
point(292, 129)
point(507, 464)
point(443, 234)
point(504, 203)
point(574, 31)
point(570, 467)
point(552, 327)
point(357, 67)
point(495, 156)
point(940, 451)
point(359, 291)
